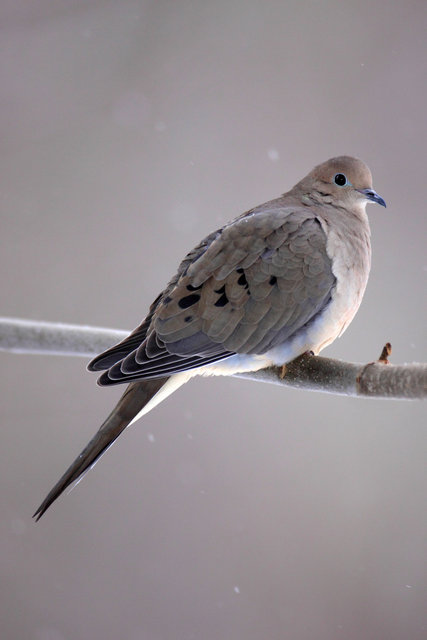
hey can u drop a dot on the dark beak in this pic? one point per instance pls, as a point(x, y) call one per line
point(373, 196)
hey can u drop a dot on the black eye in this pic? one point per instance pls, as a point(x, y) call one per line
point(340, 179)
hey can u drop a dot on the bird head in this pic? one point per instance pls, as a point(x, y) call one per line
point(343, 181)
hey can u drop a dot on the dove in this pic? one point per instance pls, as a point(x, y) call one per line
point(282, 279)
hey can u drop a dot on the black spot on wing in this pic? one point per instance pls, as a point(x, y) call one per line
point(222, 301)
point(188, 301)
point(242, 281)
point(273, 280)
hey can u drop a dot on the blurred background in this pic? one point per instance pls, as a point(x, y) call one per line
point(235, 510)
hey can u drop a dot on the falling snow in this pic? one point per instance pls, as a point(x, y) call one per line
point(273, 154)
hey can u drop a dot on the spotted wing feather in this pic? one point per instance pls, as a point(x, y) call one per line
point(245, 289)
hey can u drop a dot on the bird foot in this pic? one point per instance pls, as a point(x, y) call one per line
point(283, 368)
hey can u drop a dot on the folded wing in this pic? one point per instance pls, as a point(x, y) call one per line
point(245, 289)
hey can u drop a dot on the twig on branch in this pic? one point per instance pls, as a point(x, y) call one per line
point(376, 380)
point(385, 353)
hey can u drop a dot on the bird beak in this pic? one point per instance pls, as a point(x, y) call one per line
point(372, 196)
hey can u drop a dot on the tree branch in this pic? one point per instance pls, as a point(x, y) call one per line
point(30, 336)
point(377, 379)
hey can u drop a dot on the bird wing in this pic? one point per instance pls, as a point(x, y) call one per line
point(244, 289)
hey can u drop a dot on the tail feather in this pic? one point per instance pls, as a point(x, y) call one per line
point(130, 405)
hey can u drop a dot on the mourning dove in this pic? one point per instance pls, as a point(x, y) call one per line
point(281, 279)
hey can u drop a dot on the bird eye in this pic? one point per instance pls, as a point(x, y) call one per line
point(340, 179)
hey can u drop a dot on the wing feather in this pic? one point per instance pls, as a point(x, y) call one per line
point(244, 289)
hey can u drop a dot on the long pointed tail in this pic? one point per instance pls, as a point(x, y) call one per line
point(132, 402)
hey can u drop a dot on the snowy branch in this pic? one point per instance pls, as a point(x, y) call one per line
point(378, 379)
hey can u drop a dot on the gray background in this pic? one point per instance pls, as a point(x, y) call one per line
point(235, 510)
